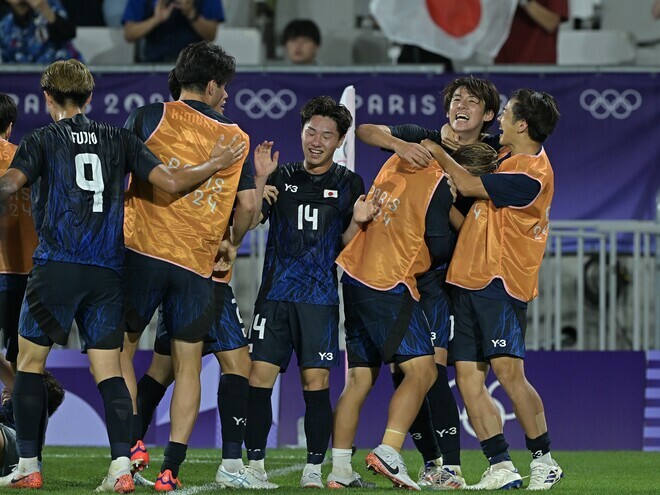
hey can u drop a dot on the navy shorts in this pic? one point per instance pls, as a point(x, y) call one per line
point(383, 327)
point(436, 304)
point(227, 333)
point(280, 327)
point(57, 293)
point(485, 328)
point(12, 291)
point(187, 298)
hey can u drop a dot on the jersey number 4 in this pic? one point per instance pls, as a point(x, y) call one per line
point(89, 177)
point(308, 214)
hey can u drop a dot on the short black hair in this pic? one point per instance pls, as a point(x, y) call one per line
point(304, 28)
point(202, 62)
point(8, 112)
point(538, 109)
point(481, 88)
point(55, 392)
point(325, 106)
point(173, 85)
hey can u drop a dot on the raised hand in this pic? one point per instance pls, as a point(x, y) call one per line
point(450, 138)
point(229, 154)
point(162, 10)
point(264, 163)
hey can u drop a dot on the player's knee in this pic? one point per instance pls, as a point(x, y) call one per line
point(509, 372)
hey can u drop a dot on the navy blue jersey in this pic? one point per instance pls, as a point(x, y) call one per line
point(76, 170)
point(306, 226)
point(412, 133)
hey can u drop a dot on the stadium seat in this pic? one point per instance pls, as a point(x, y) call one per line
point(633, 18)
point(583, 47)
point(104, 46)
point(243, 43)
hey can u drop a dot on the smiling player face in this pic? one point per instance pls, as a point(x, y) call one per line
point(466, 112)
point(320, 139)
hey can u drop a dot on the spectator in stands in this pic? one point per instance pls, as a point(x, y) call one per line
point(411, 54)
point(165, 27)
point(113, 10)
point(533, 35)
point(36, 32)
point(655, 11)
point(86, 12)
point(301, 40)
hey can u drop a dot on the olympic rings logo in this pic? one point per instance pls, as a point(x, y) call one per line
point(610, 103)
point(266, 102)
point(463, 415)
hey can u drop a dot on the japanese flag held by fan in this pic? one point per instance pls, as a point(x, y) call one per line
point(456, 29)
point(345, 154)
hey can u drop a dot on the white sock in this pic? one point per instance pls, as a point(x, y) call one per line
point(232, 465)
point(258, 464)
point(312, 468)
point(545, 459)
point(452, 467)
point(28, 465)
point(504, 465)
point(341, 462)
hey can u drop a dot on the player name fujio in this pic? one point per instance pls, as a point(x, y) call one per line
point(83, 137)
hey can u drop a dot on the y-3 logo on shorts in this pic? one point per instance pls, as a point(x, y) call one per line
point(289, 187)
point(240, 421)
point(499, 343)
point(325, 356)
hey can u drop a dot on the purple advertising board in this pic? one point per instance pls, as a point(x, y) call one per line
point(605, 156)
point(584, 394)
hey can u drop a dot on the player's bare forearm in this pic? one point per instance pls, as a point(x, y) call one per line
point(350, 232)
point(456, 218)
point(376, 135)
point(11, 182)
point(467, 184)
point(243, 217)
point(183, 179)
point(260, 182)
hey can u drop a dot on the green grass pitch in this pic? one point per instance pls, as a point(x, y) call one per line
point(71, 470)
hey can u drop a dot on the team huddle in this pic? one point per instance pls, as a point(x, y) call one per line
point(439, 259)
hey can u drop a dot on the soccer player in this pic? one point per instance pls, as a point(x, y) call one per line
point(228, 341)
point(495, 280)
point(471, 105)
point(173, 239)
point(18, 241)
point(76, 169)
point(384, 320)
point(297, 305)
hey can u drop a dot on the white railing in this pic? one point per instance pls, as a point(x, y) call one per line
point(626, 284)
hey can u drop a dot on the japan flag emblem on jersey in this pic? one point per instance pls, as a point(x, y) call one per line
point(330, 193)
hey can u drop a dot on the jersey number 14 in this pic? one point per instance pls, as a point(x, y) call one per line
point(308, 214)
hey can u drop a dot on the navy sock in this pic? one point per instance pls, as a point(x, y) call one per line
point(538, 446)
point(318, 423)
point(233, 391)
point(118, 415)
point(29, 406)
point(149, 394)
point(175, 454)
point(496, 449)
point(445, 418)
point(43, 423)
point(421, 429)
point(260, 418)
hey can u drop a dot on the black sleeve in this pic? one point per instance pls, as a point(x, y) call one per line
point(29, 157)
point(356, 190)
point(517, 190)
point(246, 180)
point(142, 121)
point(412, 133)
point(140, 160)
point(439, 237)
point(61, 30)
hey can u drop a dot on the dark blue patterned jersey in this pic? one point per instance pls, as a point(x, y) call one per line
point(306, 226)
point(76, 170)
